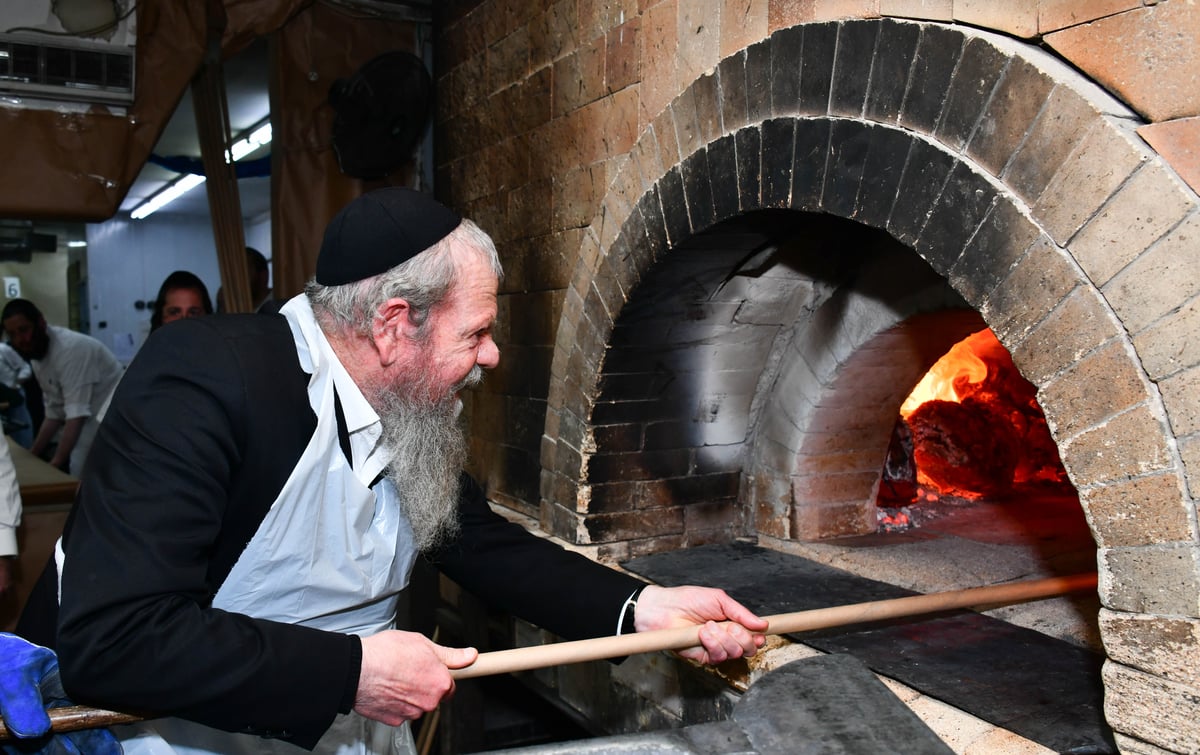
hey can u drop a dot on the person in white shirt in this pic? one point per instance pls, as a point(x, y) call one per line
point(77, 375)
point(10, 519)
point(14, 373)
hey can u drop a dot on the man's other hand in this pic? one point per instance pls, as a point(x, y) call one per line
point(727, 628)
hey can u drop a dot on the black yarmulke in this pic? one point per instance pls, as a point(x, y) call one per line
point(380, 230)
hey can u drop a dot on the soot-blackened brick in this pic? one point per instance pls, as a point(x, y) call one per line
point(621, 261)
point(1011, 111)
point(634, 526)
point(886, 158)
point(960, 209)
point(758, 82)
point(748, 145)
point(679, 433)
point(976, 77)
point(816, 70)
point(652, 218)
point(634, 234)
point(608, 498)
point(639, 465)
point(731, 73)
point(708, 107)
point(631, 410)
point(786, 45)
point(889, 75)
point(693, 488)
point(626, 436)
point(596, 313)
point(674, 206)
point(808, 167)
point(697, 188)
point(999, 242)
point(937, 56)
point(849, 142)
point(607, 284)
point(625, 386)
point(852, 66)
point(924, 176)
point(778, 150)
point(723, 172)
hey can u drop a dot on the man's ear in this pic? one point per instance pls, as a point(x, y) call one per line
point(392, 330)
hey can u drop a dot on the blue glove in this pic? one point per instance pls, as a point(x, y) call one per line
point(29, 684)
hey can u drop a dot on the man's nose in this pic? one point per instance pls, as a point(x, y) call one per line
point(489, 355)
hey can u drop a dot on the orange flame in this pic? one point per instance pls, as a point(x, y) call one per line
point(960, 365)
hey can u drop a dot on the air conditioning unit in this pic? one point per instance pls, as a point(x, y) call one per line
point(19, 240)
point(74, 50)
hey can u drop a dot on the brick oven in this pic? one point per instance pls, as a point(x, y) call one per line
point(738, 233)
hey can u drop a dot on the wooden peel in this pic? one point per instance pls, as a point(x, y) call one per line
point(77, 717)
point(561, 653)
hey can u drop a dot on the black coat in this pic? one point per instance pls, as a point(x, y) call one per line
point(201, 435)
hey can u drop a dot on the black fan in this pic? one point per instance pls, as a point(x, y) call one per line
point(379, 114)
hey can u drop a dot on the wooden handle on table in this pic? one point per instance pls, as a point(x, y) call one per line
point(77, 717)
point(543, 656)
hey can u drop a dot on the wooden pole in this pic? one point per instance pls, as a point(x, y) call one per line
point(77, 717)
point(557, 654)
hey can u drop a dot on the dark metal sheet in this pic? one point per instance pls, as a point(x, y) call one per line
point(831, 705)
point(1042, 688)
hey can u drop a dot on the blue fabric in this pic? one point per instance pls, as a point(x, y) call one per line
point(29, 684)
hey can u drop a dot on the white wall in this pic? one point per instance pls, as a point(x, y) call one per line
point(127, 261)
point(43, 281)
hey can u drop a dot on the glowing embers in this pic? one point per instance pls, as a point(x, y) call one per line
point(971, 429)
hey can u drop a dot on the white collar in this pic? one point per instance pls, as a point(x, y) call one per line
point(318, 358)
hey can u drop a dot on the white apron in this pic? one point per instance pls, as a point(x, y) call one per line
point(335, 561)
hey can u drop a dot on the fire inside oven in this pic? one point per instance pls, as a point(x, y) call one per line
point(970, 431)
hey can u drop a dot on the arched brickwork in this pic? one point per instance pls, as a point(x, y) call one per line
point(1018, 181)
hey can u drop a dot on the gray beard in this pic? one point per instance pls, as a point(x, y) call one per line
point(428, 449)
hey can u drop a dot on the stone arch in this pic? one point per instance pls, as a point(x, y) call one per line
point(1007, 173)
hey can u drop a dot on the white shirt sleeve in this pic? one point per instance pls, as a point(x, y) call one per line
point(10, 502)
point(16, 370)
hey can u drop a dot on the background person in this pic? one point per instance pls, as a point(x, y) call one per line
point(261, 298)
point(10, 519)
point(15, 372)
point(261, 487)
point(77, 375)
point(181, 295)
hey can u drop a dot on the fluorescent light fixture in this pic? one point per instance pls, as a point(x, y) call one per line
point(173, 191)
point(259, 137)
point(76, 244)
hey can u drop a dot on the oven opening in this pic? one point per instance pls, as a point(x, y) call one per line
point(970, 434)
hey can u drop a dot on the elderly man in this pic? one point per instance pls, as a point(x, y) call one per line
point(77, 375)
point(260, 489)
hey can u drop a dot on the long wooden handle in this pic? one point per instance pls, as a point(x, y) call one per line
point(543, 656)
point(76, 718)
point(73, 718)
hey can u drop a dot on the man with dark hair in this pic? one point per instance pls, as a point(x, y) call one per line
point(262, 485)
point(260, 282)
point(77, 375)
point(262, 300)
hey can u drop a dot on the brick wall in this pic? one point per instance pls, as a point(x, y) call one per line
point(667, 352)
